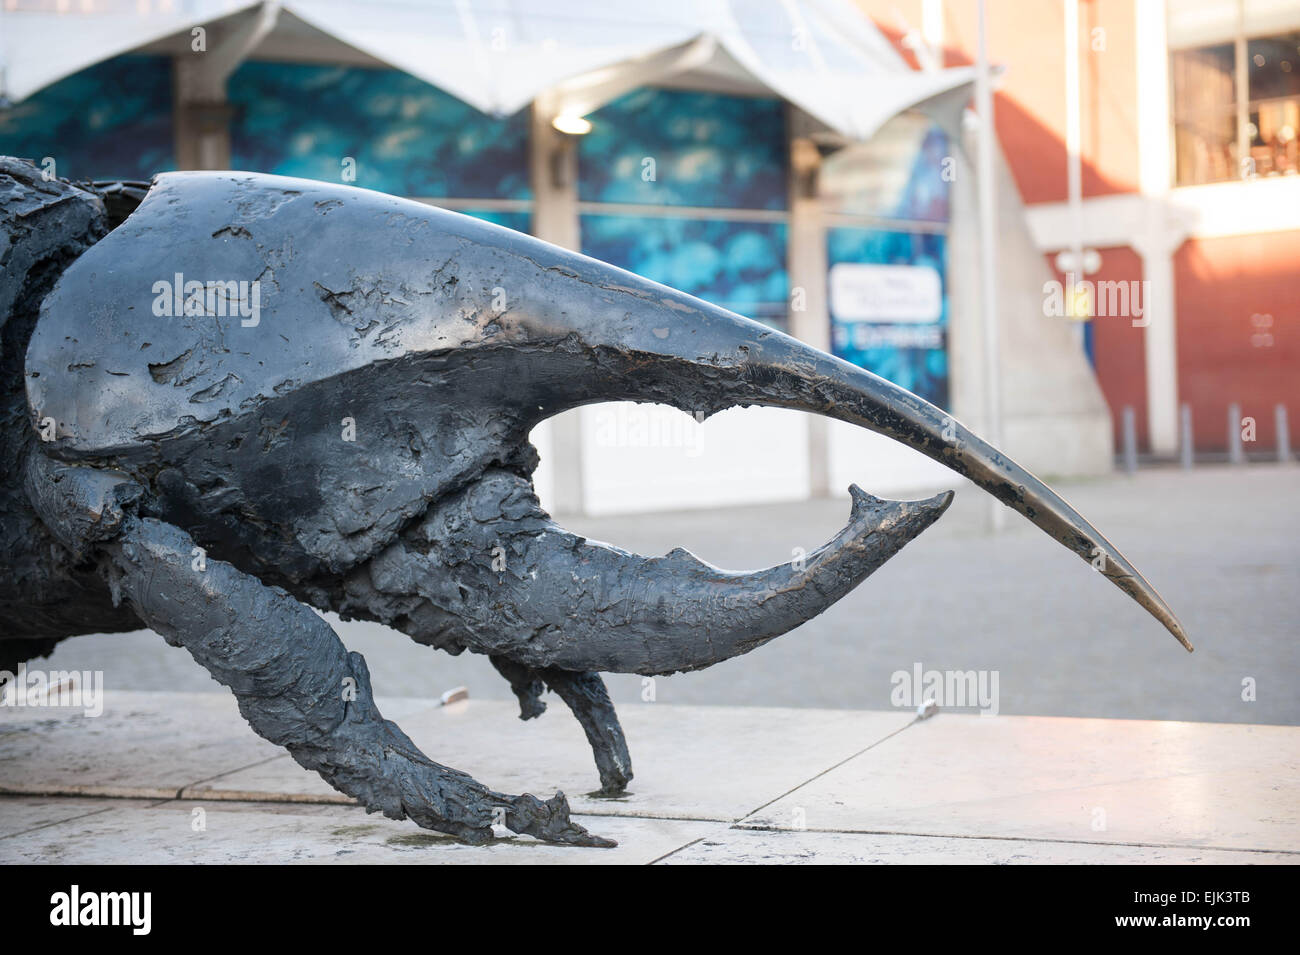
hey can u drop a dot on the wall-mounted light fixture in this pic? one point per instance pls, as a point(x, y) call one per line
point(572, 124)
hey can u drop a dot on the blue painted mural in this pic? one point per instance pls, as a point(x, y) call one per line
point(519, 221)
point(909, 352)
point(926, 197)
point(706, 150)
point(738, 265)
point(407, 138)
point(111, 121)
point(899, 174)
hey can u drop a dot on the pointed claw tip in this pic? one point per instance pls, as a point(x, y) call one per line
point(863, 503)
point(942, 501)
point(932, 507)
point(1137, 588)
point(1172, 624)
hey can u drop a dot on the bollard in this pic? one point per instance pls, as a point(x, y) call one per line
point(1185, 447)
point(1130, 440)
point(1283, 435)
point(1235, 453)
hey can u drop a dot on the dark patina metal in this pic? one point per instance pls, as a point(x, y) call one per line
point(356, 440)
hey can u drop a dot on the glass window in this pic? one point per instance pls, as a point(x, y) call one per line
point(902, 333)
point(1205, 114)
point(112, 120)
point(406, 137)
point(1274, 103)
point(1235, 84)
point(519, 221)
point(686, 148)
point(903, 172)
point(738, 265)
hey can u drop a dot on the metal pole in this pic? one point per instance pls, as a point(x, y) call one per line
point(1235, 453)
point(988, 252)
point(1073, 157)
point(1185, 446)
point(1283, 435)
point(1130, 440)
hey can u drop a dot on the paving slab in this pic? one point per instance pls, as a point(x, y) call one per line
point(715, 763)
point(143, 745)
point(21, 814)
point(713, 784)
point(1228, 786)
point(736, 846)
point(189, 832)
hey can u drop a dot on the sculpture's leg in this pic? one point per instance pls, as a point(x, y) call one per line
point(300, 688)
point(526, 683)
point(296, 683)
point(586, 696)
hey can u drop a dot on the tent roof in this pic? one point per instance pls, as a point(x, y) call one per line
point(824, 56)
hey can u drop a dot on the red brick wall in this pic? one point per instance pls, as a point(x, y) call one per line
point(1224, 355)
point(1028, 38)
point(1220, 283)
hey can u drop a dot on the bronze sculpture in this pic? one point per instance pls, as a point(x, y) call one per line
point(230, 397)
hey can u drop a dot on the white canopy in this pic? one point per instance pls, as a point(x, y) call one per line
point(824, 56)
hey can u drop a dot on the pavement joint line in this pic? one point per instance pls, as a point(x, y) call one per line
point(90, 792)
point(58, 822)
point(828, 769)
point(317, 801)
point(737, 826)
point(270, 799)
point(740, 827)
point(675, 851)
point(180, 793)
point(720, 820)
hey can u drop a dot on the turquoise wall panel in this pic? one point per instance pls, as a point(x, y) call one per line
point(111, 121)
point(738, 265)
point(707, 150)
point(407, 138)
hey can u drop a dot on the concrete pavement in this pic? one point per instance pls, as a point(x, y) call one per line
point(180, 778)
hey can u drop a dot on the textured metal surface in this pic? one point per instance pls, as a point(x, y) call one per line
point(44, 594)
point(356, 434)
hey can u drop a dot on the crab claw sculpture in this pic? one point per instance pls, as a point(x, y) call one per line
point(245, 396)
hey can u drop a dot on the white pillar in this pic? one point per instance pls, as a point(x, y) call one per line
point(806, 265)
point(553, 170)
point(201, 114)
point(1159, 239)
point(1156, 245)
